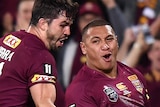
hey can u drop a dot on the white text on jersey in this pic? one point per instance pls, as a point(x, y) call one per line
point(5, 54)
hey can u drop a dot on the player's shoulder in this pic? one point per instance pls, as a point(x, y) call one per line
point(81, 82)
point(84, 85)
point(129, 70)
point(33, 47)
point(44, 56)
point(20, 34)
point(85, 74)
point(13, 38)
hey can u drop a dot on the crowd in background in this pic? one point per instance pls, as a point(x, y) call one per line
point(136, 24)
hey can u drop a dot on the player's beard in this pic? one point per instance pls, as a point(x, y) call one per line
point(52, 45)
point(51, 41)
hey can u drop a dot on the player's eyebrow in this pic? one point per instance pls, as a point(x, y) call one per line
point(66, 22)
point(94, 37)
point(64, 15)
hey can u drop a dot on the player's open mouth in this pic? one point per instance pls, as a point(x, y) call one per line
point(63, 39)
point(107, 57)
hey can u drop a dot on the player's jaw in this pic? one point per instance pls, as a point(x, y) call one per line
point(55, 42)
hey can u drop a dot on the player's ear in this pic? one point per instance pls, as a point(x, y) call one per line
point(83, 47)
point(43, 24)
point(117, 41)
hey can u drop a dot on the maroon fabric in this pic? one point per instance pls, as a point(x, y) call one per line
point(153, 85)
point(90, 8)
point(139, 15)
point(8, 6)
point(19, 64)
point(91, 88)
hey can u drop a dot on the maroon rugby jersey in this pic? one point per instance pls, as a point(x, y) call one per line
point(153, 85)
point(91, 88)
point(24, 61)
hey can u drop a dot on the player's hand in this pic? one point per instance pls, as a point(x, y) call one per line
point(109, 3)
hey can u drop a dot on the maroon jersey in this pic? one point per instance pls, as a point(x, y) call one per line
point(91, 88)
point(24, 61)
point(153, 85)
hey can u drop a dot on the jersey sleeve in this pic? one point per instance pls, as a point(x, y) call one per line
point(43, 69)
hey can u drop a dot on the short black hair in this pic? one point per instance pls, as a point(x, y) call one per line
point(51, 9)
point(94, 23)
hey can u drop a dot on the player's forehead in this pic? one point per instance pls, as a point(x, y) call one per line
point(63, 15)
point(98, 30)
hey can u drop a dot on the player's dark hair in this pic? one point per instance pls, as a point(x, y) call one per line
point(51, 9)
point(94, 23)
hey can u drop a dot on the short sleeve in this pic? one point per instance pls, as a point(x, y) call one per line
point(42, 69)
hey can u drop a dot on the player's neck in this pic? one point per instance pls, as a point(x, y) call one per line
point(37, 32)
point(112, 74)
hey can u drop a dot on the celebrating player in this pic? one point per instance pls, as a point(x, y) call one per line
point(102, 81)
point(27, 69)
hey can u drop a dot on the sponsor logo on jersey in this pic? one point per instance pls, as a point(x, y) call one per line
point(73, 105)
point(122, 87)
point(11, 41)
point(137, 84)
point(111, 93)
point(41, 78)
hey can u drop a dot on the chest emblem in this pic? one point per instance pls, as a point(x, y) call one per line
point(11, 41)
point(111, 93)
point(137, 84)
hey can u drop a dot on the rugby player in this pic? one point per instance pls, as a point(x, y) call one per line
point(102, 81)
point(27, 68)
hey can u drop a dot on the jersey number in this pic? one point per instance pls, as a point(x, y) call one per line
point(48, 68)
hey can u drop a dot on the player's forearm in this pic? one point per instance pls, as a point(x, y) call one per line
point(109, 3)
point(155, 26)
point(45, 103)
point(134, 55)
point(122, 53)
point(46, 99)
point(43, 95)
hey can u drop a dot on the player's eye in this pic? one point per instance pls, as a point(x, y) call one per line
point(109, 38)
point(95, 41)
point(63, 25)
